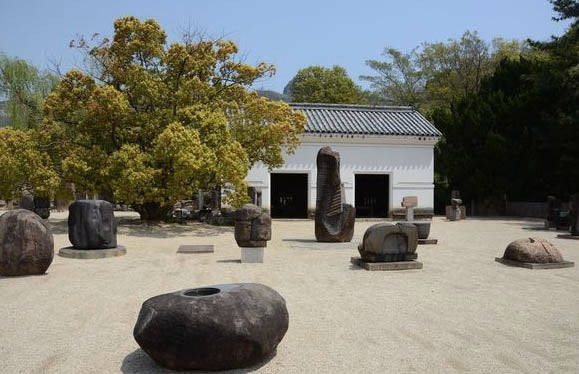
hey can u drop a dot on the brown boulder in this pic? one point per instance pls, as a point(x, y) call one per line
point(26, 244)
point(534, 250)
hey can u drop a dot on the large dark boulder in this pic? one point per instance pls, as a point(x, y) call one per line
point(92, 225)
point(42, 206)
point(334, 219)
point(533, 250)
point(26, 244)
point(212, 328)
point(387, 242)
point(252, 226)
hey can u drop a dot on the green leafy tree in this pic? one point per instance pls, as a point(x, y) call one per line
point(153, 122)
point(317, 84)
point(399, 80)
point(24, 87)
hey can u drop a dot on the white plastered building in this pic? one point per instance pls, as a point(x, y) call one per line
point(386, 153)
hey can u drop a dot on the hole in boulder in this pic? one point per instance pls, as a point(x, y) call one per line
point(201, 292)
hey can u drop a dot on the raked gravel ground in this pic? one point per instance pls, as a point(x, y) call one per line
point(463, 312)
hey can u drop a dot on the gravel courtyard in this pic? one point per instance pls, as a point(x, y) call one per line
point(463, 312)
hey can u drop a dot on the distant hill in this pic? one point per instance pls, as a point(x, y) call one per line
point(3, 114)
point(273, 95)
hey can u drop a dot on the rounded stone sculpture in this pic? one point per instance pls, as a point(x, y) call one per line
point(533, 250)
point(387, 242)
point(422, 228)
point(92, 225)
point(26, 244)
point(252, 226)
point(212, 328)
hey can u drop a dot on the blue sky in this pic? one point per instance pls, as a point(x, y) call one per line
point(289, 34)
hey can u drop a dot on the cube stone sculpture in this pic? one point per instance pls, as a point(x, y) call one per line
point(252, 226)
point(26, 244)
point(334, 220)
point(92, 225)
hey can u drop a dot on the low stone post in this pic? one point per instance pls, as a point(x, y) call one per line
point(409, 202)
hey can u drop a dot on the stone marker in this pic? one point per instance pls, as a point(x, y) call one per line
point(252, 231)
point(393, 246)
point(92, 225)
point(533, 253)
point(26, 244)
point(334, 220)
point(409, 202)
point(212, 328)
point(455, 209)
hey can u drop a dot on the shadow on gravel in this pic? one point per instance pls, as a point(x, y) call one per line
point(144, 229)
point(139, 362)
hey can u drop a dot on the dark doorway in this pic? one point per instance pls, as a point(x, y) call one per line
point(371, 195)
point(289, 195)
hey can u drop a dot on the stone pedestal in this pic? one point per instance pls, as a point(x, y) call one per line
point(252, 255)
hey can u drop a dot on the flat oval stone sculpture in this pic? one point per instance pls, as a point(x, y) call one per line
point(26, 244)
point(212, 328)
point(387, 242)
point(92, 225)
point(533, 250)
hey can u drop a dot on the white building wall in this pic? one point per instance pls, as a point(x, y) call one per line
point(408, 161)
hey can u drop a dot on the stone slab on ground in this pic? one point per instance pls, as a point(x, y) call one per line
point(194, 248)
point(427, 241)
point(567, 236)
point(90, 254)
point(313, 244)
point(531, 265)
point(397, 265)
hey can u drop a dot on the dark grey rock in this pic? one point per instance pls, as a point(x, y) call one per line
point(212, 328)
point(574, 214)
point(422, 228)
point(92, 225)
point(27, 201)
point(533, 250)
point(42, 207)
point(387, 242)
point(26, 243)
point(334, 221)
point(252, 226)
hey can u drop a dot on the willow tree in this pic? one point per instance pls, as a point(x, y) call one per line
point(152, 122)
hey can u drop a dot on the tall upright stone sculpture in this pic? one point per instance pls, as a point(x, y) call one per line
point(334, 218)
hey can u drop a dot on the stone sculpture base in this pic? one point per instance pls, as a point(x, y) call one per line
point(568, 236)
point(427, 241)
point(252, 255)
point(90, 254)
point(396, 265)
point(532, 265)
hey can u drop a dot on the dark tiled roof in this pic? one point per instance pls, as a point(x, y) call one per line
point(365, 120)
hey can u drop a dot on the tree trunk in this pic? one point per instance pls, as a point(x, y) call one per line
point(152, 211)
